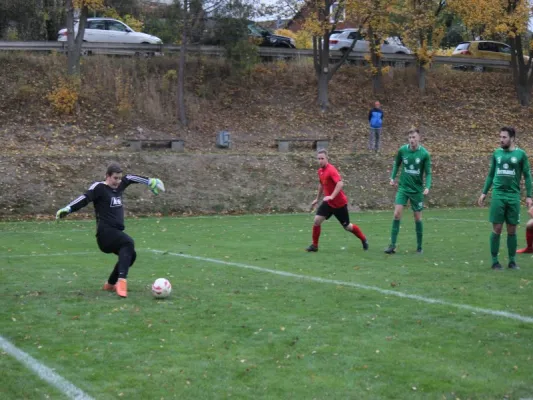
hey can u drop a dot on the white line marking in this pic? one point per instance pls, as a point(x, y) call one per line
point(429, 300)
point(44, 232)
point(80, 253)
point(45, 373)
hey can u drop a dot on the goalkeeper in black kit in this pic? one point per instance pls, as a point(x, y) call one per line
point(107, 199)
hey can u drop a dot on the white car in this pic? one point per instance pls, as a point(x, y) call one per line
point(342, 40)
point(109, 30)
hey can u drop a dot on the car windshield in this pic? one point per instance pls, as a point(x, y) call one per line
point(463, 46)
point(257, 30)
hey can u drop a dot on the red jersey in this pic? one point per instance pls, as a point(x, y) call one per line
point(329, 177)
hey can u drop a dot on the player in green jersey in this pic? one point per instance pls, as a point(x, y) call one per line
point(508, 164)
point(416, 162)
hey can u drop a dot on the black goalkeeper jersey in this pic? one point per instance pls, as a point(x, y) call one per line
point(107, 202)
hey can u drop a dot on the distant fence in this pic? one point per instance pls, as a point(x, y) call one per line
point(272, 52)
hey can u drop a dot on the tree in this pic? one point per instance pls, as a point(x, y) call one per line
point(322, 19)
point(193, 12)
point(375, 16)
point(75, 40)
point(423, 30)
point(31, 19)
point(507, 19)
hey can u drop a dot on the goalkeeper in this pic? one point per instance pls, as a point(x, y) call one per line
point(107, 199)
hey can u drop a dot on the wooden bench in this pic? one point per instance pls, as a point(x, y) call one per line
point(318, 144)
point(173, 144)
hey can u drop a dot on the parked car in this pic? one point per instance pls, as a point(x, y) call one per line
point(267, 38)
point(109, 30)
point(342, 40)
point(484, 49)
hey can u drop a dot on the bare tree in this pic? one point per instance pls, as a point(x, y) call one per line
point(182, 112)
point(75, 40)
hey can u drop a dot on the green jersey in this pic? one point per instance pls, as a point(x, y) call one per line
point(416, 163)
point(506, 170)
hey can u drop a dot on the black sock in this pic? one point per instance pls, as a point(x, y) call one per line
point(125, 260)
point(113, 278)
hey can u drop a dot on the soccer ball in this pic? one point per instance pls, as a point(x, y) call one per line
point(161, 288)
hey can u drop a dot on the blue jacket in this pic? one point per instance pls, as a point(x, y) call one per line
point(375, 117)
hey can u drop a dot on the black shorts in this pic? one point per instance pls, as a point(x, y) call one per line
point(341, 213)
point(112, 240)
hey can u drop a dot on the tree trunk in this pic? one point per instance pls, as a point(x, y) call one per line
point(182, 112)
point(522, 71)
point(71, 62)
point(75, 43)
point(377, 74)
point(421, 74)
point(323, 95)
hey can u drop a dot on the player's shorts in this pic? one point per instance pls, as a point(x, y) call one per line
point(112, 240)
point(341, 213)
point(505, 210)
point(416, 200)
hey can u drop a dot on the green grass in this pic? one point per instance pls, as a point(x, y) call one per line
point(231, 332)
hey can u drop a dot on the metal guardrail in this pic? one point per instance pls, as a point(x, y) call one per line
point(130, 49)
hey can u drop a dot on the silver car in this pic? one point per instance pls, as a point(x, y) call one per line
point(109, 30)
point(342, 40)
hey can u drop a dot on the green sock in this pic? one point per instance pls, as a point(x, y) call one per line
point(419, 233)
point(511, 246)
point(394, 232)
point(494, 246)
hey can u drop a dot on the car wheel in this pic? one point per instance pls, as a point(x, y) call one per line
point(144, 54)
point(86, 52)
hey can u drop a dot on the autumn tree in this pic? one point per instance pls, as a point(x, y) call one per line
point(422, 30)
point(375, 19)
point(322, 19)
point(509, 20)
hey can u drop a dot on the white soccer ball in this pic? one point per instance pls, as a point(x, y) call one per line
point(161, 288)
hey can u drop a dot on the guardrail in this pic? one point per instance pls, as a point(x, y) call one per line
point(273, 52)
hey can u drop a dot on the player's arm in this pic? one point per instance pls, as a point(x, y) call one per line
point(527, 179)
point(318, 195)
point(156, 185)
point(339, 184)
point(530, 212)
point(80, 202)
point(428, 173)
point(338, 188)
point(396, 166)
point(488, 181)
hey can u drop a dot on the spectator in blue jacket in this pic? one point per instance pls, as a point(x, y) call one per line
point(375, 118)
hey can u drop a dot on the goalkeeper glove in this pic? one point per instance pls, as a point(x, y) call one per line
point(62, 213)
point(156, 185)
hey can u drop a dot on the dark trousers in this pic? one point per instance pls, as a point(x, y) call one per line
point(117, 242)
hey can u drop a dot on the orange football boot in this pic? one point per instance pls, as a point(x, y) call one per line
point(109, 287)
point(122, 287)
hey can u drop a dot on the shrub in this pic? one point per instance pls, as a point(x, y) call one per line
point(64, 97)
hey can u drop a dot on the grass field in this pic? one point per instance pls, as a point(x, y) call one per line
point(252, 316)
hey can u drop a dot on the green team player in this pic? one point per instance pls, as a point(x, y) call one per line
point(416, 162)
point(507, 166)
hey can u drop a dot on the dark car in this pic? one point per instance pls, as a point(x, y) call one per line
point(264, 37)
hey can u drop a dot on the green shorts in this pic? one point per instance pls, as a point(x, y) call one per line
point(416, 200)
point(505, 210)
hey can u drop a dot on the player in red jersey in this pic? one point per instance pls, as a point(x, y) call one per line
point(334, 202)
point(529, 235)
